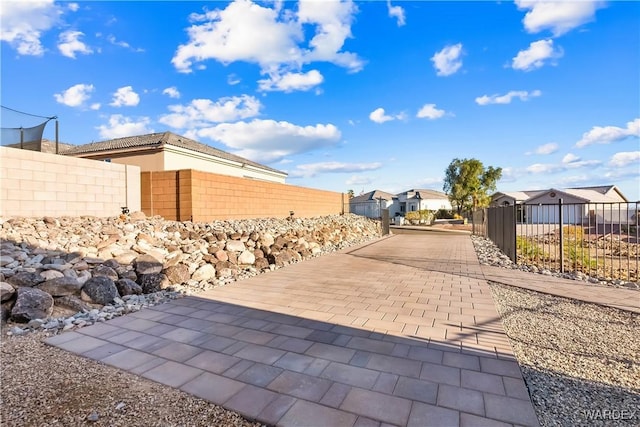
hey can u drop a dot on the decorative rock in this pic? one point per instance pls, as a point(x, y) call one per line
point(35, 323)
point(51, 274)
point(31, 304)
point(151, 282)
point(6, 260)
point(72, 302)
point(6, 291)
point(206, 272)
point(17, 331)
point(105, 271)
point(128, 287)
point(146, 264)
point(100, 290)
point(221, 255)
point(235, 246)
point(61, 286)
point(25, 279)
point(246, 258)
point(177, 274)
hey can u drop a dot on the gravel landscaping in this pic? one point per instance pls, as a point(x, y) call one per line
point(46, 386)
point(581, 361)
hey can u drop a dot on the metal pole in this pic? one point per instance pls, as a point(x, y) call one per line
point(21, 137)
point(561, 237)
point(57, 141)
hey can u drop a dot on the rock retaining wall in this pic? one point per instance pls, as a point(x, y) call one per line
point(87, 263)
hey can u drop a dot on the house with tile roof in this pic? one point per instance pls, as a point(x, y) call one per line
point(597, 204)
point(419, 199)
point(167, 151)
point(371, 204)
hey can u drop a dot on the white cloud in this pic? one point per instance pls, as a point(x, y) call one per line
point(624, 158)
point(569, 162)
point(379, 116)
point(543, 168)
point(448, 61)
point(69, 44)
point(538, 53)
point(112, 39)
point(24, 22)
point(396, 12)
point(270, 140)
point(233, 79)
point(609, 134)
point(548, 148)
point(95, 106)
point(74, 7)
point(237, 33)
point(120, 126)
point(290, 82)
point(171, 92)
point(523, 95)
point(333, 26)
point(558, 16)
point(75, 96)
point(312, 169)
point(429, 111)
point(205, 112)
point(359, 180)
point(569, 158)
point(125, 97)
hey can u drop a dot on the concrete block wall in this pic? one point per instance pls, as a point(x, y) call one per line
point(35, 184)
point(201, 196)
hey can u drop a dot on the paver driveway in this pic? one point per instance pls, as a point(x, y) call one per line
point(402, 331)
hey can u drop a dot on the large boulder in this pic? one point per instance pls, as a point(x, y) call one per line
point(128, 287)
point(6, 291)
point(31, 303)
point(235, 246)
point(146, 264)
point(25, 279)
point(61, 286)
point(72, 302)
point(205, 272)
point(100, 290)
point(246, 258)
point(105, 271)
point(52, 274)
point(152, 282)
point(177, 274)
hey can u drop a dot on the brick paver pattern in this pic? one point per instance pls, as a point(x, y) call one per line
point(402, 331)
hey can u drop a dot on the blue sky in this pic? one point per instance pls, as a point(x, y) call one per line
point(345, 95)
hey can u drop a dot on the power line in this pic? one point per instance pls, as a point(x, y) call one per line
point(28, 114)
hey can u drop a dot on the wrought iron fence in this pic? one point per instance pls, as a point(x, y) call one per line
point(600, 240)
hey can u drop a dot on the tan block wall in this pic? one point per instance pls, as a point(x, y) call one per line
point(35, 184)
point(206, 196)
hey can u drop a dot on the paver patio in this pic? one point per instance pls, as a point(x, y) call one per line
point(402, 331)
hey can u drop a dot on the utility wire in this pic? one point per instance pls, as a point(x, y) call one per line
point(32, 115)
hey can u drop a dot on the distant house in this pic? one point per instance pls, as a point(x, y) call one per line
point(168, 151)
point(370, 204)
point(596, 204)
point(419, 199)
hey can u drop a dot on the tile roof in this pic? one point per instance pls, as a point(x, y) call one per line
point(371, 195)
point(158, 140)
point(425, 194)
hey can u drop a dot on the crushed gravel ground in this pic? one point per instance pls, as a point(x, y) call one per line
point(46, 386)
point(581, 361)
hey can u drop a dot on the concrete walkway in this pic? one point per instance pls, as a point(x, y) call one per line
point(402, 331)
point(622, 299)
